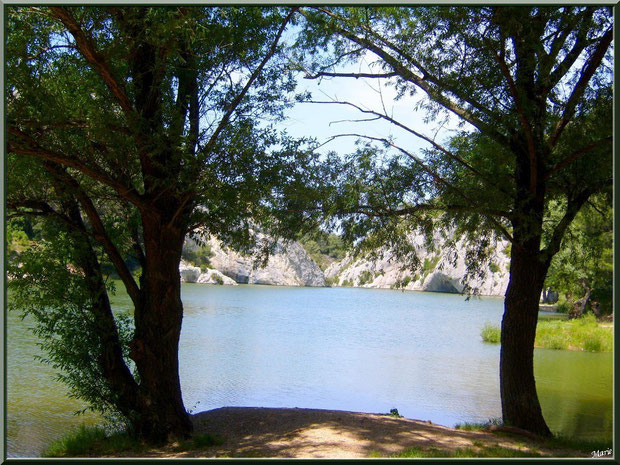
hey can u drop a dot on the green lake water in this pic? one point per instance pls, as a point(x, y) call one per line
point(366, 350)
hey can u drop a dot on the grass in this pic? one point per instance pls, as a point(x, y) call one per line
point(478, 426)
point(95, 441)
point(491, 333)
point(90, 441)
point(580, 334)
point(491, 451)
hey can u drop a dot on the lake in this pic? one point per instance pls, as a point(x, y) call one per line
point(367, 350)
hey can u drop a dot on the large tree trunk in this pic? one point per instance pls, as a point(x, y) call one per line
point(520, 405)
point(155, 346)
point(528, 269)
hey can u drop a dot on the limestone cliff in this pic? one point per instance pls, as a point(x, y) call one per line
point(436, 272)
point(288, 265)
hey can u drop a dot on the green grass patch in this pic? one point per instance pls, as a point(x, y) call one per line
point(92, 441)
point(582, 445)
point(580, 334)
point(493, 451)
point(560, 334)
point(95, 441)
point(478, 426)
point(491, 333)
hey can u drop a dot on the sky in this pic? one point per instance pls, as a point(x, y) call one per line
point(326, 120)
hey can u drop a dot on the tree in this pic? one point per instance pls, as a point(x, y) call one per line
point(585, 261)
point(130, 127)
point(531, 87)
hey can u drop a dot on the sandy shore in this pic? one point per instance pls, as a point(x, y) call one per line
point(313, 433)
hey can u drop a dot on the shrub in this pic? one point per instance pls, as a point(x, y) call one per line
point(218, 279)
point(494, 267)
point(491, 333)
point(365, 277)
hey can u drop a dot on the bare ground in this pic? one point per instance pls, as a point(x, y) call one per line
point(313, 433)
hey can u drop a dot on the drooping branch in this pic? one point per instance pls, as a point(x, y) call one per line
point(372, 211)
point(435, 176)
point(431, 141)
point(320, 74)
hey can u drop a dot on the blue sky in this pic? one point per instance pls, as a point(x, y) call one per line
point(326, 120)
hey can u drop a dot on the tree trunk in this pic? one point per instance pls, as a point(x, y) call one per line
point(579, 307)
point(155, 346)
point(110, 359)
point(520, 405)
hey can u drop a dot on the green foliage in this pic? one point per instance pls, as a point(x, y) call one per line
point(394, 413)
point(218, 279)
point(587, 255)
point(347, 283)
point(580, 334)
point(491, 333)
point(365, 277)
point(331, 281)
point(16, 240)
point(494, 267)
point(198, 255)
point(48, 286)
point(323, 247)
point(97, 441)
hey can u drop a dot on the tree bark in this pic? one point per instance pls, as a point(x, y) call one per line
point(155, 345)
point(520, 404)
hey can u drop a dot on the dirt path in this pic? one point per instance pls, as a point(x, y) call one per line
point(312, 433)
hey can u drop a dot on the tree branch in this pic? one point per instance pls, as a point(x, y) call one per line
point(92, 170)
point(232, 106)
point(587, 72)
point(354, 75)
point(575, 155)
point(100, 233)
point(409, 130)
point(87, 49)
point(421, 82)
point(433, 174)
